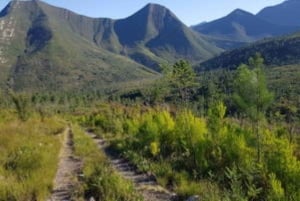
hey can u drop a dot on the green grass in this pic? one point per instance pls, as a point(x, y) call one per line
point(29, 157)
point(100, 180)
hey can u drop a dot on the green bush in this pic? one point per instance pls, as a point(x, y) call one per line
point(169, 144)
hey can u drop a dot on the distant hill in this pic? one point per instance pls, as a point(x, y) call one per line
point(241, 27)
point(286, 13)
point(279, 51)
point(48, 48)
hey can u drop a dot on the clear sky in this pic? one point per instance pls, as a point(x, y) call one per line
point(191, 12)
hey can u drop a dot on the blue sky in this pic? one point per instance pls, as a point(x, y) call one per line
point(189, 11)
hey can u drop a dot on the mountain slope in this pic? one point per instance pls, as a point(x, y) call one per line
point(151, 36)
point(155, 32)
point(279, 51)
point(48, 48)
point(44, 53)
point(286, 13)
point(241, 27)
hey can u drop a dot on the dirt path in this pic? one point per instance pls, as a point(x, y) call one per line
point(68, 169)
point(145, 184)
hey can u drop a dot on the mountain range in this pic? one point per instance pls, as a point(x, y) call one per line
point(49, 47)
point(43, 47)
point(241, 27)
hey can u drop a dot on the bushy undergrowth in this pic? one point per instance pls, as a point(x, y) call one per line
point(215, 157)
point(100, 181)
point(28, 158)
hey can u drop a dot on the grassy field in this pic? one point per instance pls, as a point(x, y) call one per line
point(28, 157)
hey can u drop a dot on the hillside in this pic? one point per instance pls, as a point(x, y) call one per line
point(143, 37)
point(280, 51)
point(42, 53)
point(240, 27)
point(49, 48)
point(286, 13)
point(155, 35)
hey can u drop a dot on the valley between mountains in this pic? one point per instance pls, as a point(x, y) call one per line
point(146, 108)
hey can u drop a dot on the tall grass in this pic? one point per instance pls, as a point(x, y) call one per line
point(28, 158)
point(100, 180)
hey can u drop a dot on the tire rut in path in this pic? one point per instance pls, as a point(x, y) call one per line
point(68, 169)
point(145, 184)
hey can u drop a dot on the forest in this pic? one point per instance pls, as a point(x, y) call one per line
point(220, 135)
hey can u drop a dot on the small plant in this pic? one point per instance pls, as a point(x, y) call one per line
point(21, 102)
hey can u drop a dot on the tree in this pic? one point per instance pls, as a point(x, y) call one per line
point(216, 114)
point(251, 94)
point(177, 82)
point(181, 79)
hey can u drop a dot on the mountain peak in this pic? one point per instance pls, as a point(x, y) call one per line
point(145, 24)
point(15, 4)
point(153, 9)
point(154, 5)
point(239, 12)
point(242, 27)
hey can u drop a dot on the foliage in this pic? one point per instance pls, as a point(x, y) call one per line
point(184, 151)
point(251, 93)
point(177, 83)
point(100, 181)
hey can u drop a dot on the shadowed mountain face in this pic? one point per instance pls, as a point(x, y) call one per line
point(286, 13)
point(240, 27)
point(49, 48)
point(143, 26)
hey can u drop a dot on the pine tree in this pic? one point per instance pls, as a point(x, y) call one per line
point(251, 94)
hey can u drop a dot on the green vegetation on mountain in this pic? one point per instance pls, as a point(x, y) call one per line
point(276, 52)
point(154, 33)
point(49, 48)
point(53, 57)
